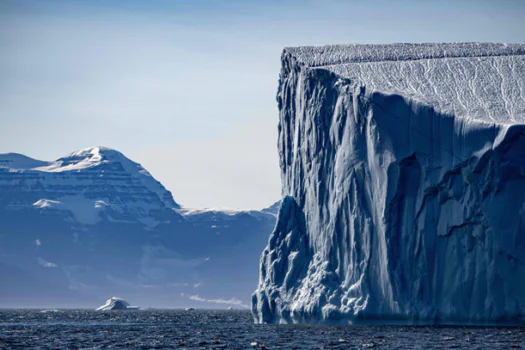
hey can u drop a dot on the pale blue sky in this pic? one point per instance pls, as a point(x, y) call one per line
point(187, 88)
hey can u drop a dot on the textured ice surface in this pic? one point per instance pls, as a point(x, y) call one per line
point(316, 56)
point(491, 89)
point(404, 186)
point(473, 80)
point(227, 329)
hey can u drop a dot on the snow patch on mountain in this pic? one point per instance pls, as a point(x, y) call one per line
point(210, 214)
point(46, 203)
point(84, 210)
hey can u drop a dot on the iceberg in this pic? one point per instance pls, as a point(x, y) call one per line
point(49, 311)
point(403, 182)
point(116, 304)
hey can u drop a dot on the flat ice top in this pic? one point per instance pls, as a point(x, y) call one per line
point(475, 81)
point(316, 56)
point(484, 88)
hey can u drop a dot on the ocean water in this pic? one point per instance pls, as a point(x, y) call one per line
point(216, 329)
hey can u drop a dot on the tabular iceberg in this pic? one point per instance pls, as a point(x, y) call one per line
point(403, 174)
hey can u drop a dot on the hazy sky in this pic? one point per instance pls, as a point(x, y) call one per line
point(187, 88)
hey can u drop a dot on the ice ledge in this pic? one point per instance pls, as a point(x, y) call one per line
point(316, 56)
point(474, 81)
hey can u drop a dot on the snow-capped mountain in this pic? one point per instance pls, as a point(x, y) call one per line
point(403, 171)
point(94, 223)
point(86, 185)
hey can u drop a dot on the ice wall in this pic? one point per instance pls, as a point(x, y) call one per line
point(403, 171)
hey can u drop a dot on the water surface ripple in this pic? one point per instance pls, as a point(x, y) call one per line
point(221, 329)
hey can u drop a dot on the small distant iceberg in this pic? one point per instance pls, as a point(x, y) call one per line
point(48, 311)
point(116, 304)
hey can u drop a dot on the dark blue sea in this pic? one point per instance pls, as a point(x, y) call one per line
point(215, 329)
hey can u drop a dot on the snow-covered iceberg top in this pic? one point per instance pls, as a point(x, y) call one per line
point(317, 56)
point(116, 304)
point(480, 81)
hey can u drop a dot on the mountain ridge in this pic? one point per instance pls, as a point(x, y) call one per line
point(94, 223)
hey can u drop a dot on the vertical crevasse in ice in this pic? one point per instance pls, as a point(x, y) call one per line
point(403, 172)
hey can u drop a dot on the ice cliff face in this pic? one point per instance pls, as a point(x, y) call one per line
point(403, 171)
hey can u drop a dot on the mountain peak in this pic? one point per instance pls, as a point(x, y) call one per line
point(95, 154)
point(95, 151)
point(104, 167)
point(78, 160)
point(88, 158)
